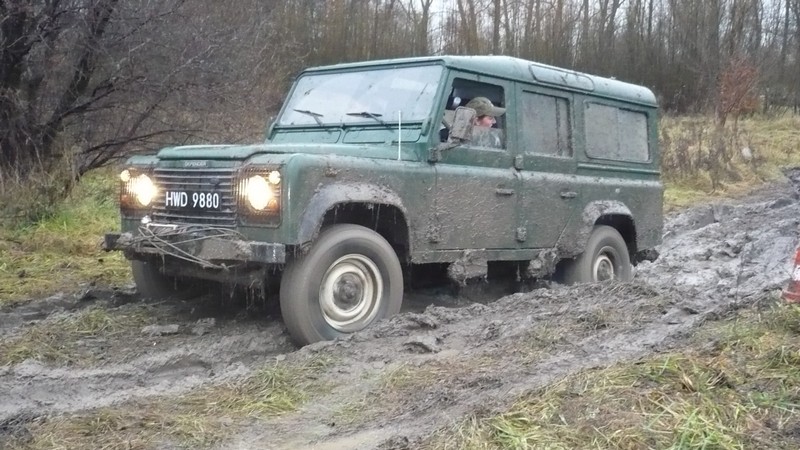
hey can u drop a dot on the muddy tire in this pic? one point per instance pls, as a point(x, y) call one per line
point(349, 279)
point(605, 258)
point(152, 284)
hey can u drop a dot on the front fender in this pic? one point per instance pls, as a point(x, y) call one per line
point(339, 194)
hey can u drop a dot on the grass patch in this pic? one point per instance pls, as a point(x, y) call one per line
point(699, 162)
point(744, 393)
point(57, 342)
point(411, 384)
point(61, 251)
point(678, 197)
point(272, 391)
point(391, 387)
point(197, 420)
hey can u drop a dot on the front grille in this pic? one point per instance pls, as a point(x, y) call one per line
point(201, 181)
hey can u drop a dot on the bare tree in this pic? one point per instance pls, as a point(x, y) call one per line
point(94, 79)
point(87, 81)
point(50, 53)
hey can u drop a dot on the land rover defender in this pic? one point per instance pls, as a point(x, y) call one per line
point(370, 169)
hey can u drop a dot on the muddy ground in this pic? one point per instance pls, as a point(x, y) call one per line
point(460, 356)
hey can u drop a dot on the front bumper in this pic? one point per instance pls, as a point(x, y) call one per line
point(208, 248)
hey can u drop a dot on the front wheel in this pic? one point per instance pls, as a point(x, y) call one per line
point(350, 278)
point(605, 258)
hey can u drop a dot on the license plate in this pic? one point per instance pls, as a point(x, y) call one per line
point(191, 200)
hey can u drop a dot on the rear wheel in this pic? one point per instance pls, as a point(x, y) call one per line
point(605, 258)
point(349, 279)
point(153, 284)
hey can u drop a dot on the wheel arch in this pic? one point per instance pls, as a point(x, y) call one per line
point(375, 207)
point(614, 214)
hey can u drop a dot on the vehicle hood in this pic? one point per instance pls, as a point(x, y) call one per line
point(243, 152)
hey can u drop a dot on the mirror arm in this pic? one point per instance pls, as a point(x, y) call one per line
point(435, 153)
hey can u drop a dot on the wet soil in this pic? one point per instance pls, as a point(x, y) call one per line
point(464, 353)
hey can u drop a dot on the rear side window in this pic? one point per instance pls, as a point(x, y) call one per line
point(545, 127)
point(615, 133)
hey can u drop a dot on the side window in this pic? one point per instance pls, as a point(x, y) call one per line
point(489, 127)
point(614, 133)
point(545, 127)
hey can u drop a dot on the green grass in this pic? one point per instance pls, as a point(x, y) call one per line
point(61, 251)
point(199, 419)
point(744, 393)
point(272, 391)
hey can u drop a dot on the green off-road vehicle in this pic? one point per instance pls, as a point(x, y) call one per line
point(372, 169)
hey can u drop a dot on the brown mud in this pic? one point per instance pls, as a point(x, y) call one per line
point(449, 355)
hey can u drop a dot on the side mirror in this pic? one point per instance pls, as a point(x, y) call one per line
point(461, 130)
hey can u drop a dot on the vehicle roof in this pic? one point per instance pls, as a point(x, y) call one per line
point(518, 69)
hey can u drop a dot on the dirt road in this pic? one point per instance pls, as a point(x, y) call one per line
point(445, 361)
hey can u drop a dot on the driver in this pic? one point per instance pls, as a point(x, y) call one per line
point(484, 133)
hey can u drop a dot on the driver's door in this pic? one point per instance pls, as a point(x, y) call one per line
point(476, 187)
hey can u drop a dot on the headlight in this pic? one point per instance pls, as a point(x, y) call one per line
point(258, 192)
point(138, 190)
point(144, 189)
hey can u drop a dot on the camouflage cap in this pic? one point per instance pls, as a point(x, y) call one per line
point(484, 107)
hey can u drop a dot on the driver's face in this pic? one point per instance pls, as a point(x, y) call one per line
point(485, 121)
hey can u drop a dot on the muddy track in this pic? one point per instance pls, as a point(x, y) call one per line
point(714, 259)
point(135, 364)
point(180, 352)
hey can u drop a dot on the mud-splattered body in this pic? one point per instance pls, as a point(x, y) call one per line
point(563, 169)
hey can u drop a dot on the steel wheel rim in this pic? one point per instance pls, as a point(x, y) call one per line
point(350, 292)
point(603, 268)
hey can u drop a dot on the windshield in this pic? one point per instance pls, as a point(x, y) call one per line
point(374, 96)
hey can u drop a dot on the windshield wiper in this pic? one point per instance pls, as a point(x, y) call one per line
point(316, 116)
point(374, 116)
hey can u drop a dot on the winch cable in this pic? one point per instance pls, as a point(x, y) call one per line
point(160, 240)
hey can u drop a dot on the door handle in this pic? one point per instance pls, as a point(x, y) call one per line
point(504, 191)
point(568, 194)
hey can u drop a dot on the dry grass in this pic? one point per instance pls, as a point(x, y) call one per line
point(397, 386)
point(390, 389)
point(699, 162)
point(742, 393)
